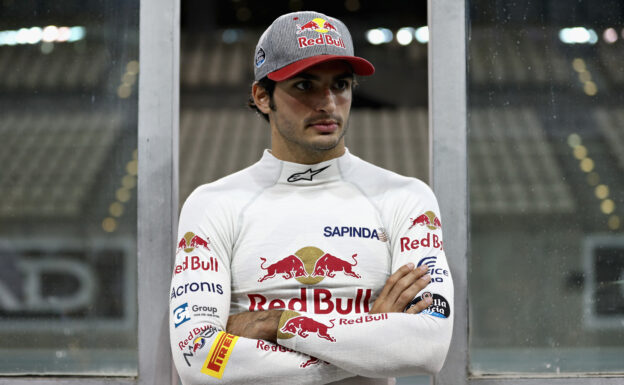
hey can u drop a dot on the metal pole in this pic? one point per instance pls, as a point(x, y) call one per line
point(157, 182)
point(448, 163)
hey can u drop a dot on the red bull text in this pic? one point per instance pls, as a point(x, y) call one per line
point(322, 302)
point(320, 40)
point(363, 319)
point(408, 244)
point(270, 347)
point(192, 334)
point(196, 263)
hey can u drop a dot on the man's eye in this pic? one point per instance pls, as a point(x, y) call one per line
point(342, 84)
point(303, 86)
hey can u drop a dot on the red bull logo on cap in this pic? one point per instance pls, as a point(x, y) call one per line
point(321, 26)
point(317, 24)
point(303, 327)
point(428, 219)
point(190, 242)
point(309, 265)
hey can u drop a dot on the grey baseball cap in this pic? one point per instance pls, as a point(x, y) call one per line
point(299, 40)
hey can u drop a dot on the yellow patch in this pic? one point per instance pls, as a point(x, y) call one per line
point(219, 354)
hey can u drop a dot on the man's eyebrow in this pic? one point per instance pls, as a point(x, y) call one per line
point(345, 75)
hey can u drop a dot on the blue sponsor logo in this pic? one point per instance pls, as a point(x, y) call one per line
point(429, 261)
point(437, 273)
point(355, 232)
point(193, 287)
point(439, 305)
point(180, 314)
point(260, 57)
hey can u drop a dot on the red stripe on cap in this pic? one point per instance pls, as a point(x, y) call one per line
point(360, 66)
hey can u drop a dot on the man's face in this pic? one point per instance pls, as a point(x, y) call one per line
point(312, 111)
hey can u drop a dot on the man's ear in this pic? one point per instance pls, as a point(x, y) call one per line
point(261, 98)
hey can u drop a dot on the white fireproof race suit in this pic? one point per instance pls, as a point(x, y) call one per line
point(318, 241)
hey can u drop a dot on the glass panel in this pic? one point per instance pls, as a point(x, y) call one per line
point(68, 131)
point(219, 135)
point(546, 152)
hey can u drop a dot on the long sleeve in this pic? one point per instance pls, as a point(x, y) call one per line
point(200, 303)
point(389, 344)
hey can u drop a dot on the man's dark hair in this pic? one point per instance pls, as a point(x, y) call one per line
point(269, 87)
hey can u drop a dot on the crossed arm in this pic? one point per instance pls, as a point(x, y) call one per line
point(400, 288)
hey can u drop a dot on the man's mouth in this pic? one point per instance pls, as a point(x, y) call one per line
point(324, 126)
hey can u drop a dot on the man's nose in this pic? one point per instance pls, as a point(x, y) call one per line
point(327, 100)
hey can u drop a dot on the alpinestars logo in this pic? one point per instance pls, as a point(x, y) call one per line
point(306, 175)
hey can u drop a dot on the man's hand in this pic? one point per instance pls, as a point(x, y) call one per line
point(400, 288)
point(259, 325)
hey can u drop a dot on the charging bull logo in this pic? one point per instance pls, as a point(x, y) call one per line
point(328, 265)
point(322, 27)
point(318, 25)
point(309, 265)
point(190, 242)
point(290, 266)
point(304, 326)
point(428, 219)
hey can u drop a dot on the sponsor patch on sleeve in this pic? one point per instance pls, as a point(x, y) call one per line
point(439, 308)
point(219, 355)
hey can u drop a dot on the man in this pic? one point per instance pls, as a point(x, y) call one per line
point(311, 266)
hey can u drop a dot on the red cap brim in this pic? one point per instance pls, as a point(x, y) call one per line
point(360, 66)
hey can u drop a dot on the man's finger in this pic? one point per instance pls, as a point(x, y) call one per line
point(406, 282)
point(410, 293)
point(394, 278)
point(419, 306)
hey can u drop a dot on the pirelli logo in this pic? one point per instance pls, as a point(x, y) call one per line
point(219, 354)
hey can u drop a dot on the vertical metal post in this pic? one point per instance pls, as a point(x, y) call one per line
point(448, 162)
point(157, 182)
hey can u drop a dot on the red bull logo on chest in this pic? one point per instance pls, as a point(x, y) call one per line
point(309, 265)
point(321, 26)
point(317, 300)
